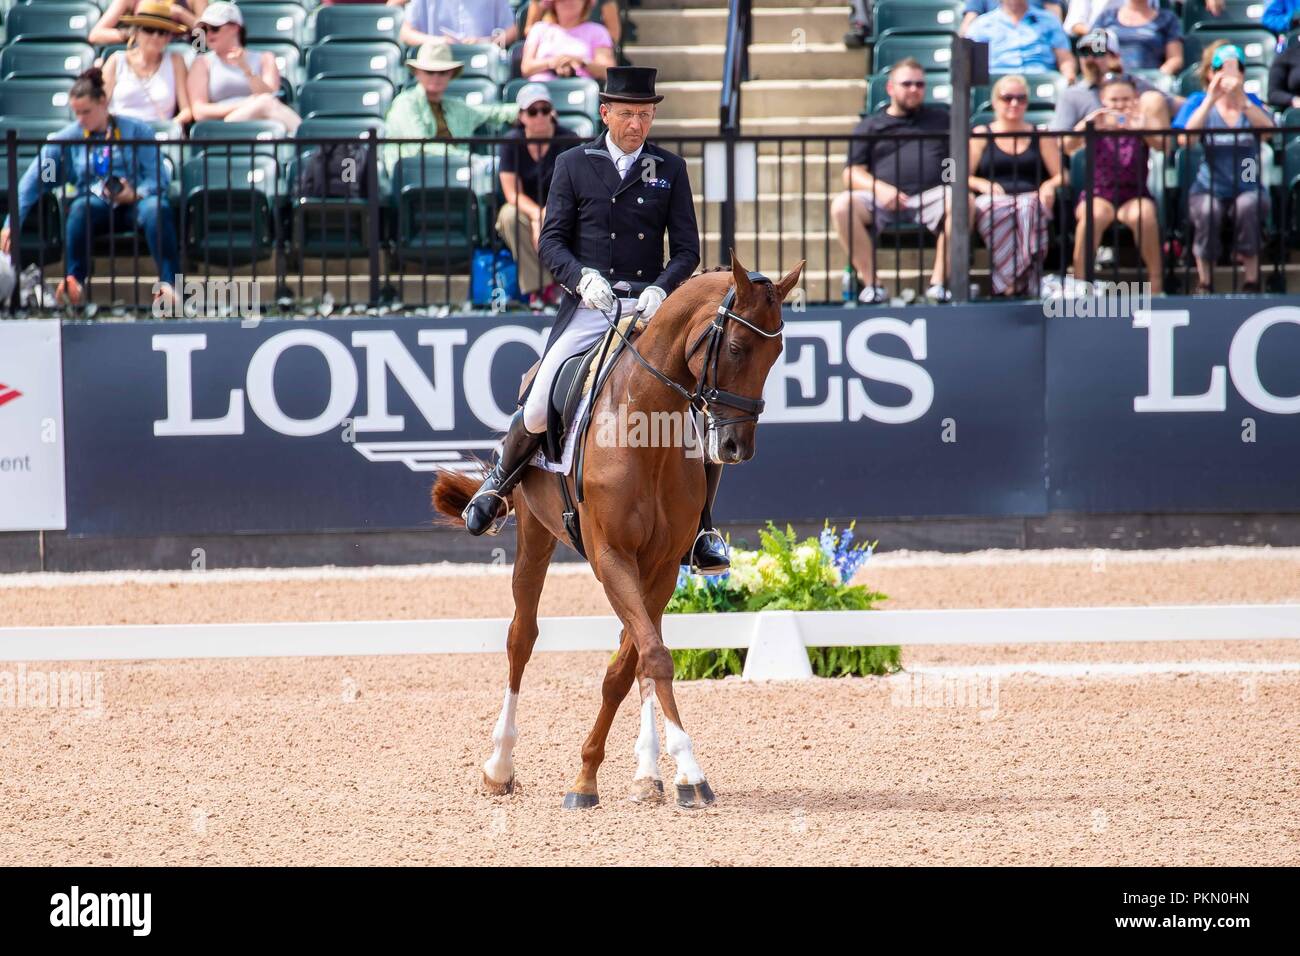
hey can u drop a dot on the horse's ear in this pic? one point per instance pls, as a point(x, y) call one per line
point(741, 275)
point(789, 281)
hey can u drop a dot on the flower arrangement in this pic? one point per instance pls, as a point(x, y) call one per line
point(785, 574)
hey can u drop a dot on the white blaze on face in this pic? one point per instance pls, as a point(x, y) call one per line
point(500, 767)
point(647, 742)
point(679, 745)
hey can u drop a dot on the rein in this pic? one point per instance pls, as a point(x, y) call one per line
point(707, 395)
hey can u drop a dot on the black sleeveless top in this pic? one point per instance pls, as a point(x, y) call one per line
point(1014, 172)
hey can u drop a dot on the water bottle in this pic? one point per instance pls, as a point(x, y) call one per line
point(846, 286)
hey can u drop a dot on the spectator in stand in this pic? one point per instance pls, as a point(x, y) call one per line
point(1230, 180)
point(1149, 38)
point(231, 82)
point(146, 81)
point(1099, 57)
point(422, 111)
point(1023, 39)
point(604, 12)
point(106, 31)
point(859, 24)
point(527, 165)
point(1119, 187)
point(1015, 178)
point(1277, 16)
point(458, 21)
point(1081, 16)
point(1284, 78)
point(977, 8)
point(894, 179)
point(115, 186)
point(566, 43)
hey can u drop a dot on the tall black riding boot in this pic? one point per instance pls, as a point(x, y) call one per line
point(709, 552)
point(489, 502)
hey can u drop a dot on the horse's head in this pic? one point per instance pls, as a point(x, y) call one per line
point(732, 356)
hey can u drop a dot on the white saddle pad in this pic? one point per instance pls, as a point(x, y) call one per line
point(562, 467)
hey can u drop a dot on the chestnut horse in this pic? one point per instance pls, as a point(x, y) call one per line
point(641, 513)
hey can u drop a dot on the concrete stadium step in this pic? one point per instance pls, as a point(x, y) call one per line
point(777, 213)
point(771, 25)
point(821, 173)
point(767, 61)
point(700, 99)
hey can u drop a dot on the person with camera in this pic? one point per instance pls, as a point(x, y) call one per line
point(1118, 191)
point(117, 185)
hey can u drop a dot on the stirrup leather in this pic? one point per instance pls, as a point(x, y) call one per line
point(706, 533)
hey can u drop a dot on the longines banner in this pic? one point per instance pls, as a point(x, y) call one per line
point(31, 427)
point(179, 427)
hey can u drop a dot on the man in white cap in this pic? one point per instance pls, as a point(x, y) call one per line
point(527, 165)
point(424, 112)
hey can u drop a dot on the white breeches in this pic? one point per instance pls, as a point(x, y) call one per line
point(583, 331)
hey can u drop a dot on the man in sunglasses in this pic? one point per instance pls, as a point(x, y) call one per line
point(1098, 58)
point(894, 177)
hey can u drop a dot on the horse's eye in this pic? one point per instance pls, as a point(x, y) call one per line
point(733, 348)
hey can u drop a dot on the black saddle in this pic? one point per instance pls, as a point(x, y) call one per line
point(566, 395)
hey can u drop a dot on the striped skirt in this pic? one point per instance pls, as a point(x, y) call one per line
point(1014, 228)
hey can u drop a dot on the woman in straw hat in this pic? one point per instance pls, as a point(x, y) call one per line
point(145, 81)
point(231, 82)
point(110, 29)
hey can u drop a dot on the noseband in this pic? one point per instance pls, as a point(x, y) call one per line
point(707, 394)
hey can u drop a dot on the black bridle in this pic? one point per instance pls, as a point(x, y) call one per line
point(706, 393)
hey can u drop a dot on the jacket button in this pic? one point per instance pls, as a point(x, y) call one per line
point(613, 199)
point(640, 199)
point(613, 235)
point(638, 271)
point(640, 235)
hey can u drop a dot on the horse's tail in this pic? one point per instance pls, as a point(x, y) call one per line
point(453, 489)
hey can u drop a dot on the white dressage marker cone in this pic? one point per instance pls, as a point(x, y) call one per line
point(776, 651)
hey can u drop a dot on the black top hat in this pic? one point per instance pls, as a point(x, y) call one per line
point(630, 84)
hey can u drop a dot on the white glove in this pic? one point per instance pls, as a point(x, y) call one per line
point(650, 300)
point(595, 291)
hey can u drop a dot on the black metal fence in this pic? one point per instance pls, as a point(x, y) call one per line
point(384, 224)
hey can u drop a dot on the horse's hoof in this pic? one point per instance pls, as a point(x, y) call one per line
point(495, 789)
point(580, 801)
point(694, 796)
point(647, 790)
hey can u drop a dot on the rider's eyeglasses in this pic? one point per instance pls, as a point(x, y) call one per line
point(543, 110)
point(1014, 97)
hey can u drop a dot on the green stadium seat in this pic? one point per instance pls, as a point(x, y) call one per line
point(63, 20)
point(274, 23)
point(581, 125)
point(573, 95)
point(482, 59)
point(474, 90)
point(367, 22)
point(332, 227)
point(37, 98)
point(258, 133)
point(41, 237)
point(436, 213)
point(916, 16)
point(355, 97)
point(29, 60)
point(1258, 44)
point(1246, 13)
point(335, 60)
point(932, 50)
point(229, 208)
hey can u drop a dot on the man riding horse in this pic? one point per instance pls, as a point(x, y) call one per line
point(610, 203)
